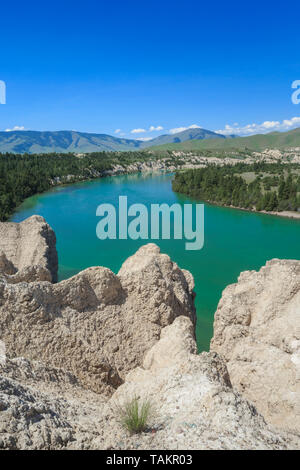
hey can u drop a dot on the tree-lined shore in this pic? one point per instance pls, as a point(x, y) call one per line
point(261, 186)
point(271, 187)
point(22, 176)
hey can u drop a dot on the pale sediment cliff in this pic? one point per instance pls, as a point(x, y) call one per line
point(257, 331)
point(30, 243)
point(96, 325)
point(195, 405)
point(69, 352)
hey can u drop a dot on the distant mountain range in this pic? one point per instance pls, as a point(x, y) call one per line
point(188, 134)
point(62, 142)
point(258, 142)
point(190, 139)
point(83, 142)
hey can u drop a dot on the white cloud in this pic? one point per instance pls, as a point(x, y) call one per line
point(144, 139)
point(181, 129)
point(151, 129)
point(16, 128)
point(117, 131)
point(262, 128)
point(138, 131)
point(177, 129)
point(294, 122)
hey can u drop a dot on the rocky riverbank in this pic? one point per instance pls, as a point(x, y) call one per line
point(70, 352)
point(187, 160)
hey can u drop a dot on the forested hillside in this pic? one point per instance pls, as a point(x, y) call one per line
point(22, 176)
point(270, 187)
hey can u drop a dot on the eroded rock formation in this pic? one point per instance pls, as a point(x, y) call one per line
point(194, 405)
point(257, 331)
point(26, 245)
point(72, 352)
point(95, 325)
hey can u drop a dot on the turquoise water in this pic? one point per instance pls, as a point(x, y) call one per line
point(234, 240)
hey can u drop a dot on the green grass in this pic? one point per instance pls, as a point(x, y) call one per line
point(134, 415)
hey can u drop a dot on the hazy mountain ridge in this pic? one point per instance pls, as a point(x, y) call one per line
point(190, 139)
point(84, 142)
point(258, 142)
point(62, 141)
point(188, 134)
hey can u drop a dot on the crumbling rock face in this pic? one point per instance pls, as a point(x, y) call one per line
point(194, 404)
point(27, 274)
point(28, 421)
point(6, 266)
point(28, 244)
point(257, 331)
point(42, 407)
point(71, 352)
point(95, 325)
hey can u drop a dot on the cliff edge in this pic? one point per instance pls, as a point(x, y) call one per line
point(97, 325)
point(257, 332)
point(28, 244)
point(72, 352)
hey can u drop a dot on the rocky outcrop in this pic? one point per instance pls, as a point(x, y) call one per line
point(42, 407)
point(95, 325)
point(194, 405)
point(26, 245)
point(257, 331)
point(72, 352)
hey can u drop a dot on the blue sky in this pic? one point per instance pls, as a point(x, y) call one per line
point(100, 66)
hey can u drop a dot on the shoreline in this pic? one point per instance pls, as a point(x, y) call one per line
point(284, 214)
point(149, 169)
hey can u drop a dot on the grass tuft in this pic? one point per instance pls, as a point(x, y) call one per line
point(134, 415)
